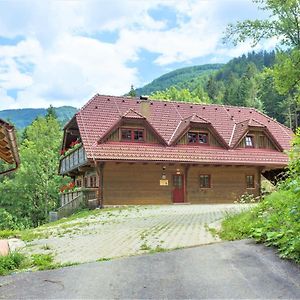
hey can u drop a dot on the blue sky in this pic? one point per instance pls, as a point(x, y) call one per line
point(63, 52)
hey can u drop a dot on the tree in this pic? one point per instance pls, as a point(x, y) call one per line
point(174, 93)
point(231, 95)
point(132, 92)
point(212, 88)
point(274, 104)
point(33, 190)
point(51, 112)
point(283, 24)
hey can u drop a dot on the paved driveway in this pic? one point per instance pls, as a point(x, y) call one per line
point(232, 270)
point(133, 230)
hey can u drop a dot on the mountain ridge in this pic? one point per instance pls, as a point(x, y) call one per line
point(22, 117)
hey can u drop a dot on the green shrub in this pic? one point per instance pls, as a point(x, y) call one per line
point(237, 226)
point(275, 221)
point(6, 220)
point(4, 234)
point(12, 262)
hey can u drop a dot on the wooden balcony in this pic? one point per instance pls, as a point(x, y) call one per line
point(72, 161)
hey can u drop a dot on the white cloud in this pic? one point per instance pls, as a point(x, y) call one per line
point(61, 61)
point(6, 102)
point(76, 68)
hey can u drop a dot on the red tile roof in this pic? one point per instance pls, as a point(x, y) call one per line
point(170, 119)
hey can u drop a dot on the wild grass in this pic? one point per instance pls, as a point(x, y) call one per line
point(13, 262)
point(275, 222)
point(16, 262)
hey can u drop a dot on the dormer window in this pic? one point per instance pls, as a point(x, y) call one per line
point(132, 135)
point(197, 138)
point(249, 141)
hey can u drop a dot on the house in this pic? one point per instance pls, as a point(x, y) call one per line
point(8, 146)
point(122, 150)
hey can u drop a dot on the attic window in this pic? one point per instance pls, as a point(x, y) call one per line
point(197, 138)
point(249, 141)
point(132, 135)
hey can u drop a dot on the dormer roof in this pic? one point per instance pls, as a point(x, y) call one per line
point(132, 114)
point(242, 128)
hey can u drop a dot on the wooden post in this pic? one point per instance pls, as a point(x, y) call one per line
point(100, 194)
point(259, 180)
point(186, 173)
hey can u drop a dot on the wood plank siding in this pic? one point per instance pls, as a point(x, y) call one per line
point(137, 183)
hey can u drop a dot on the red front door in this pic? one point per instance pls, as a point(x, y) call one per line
point(178, 189)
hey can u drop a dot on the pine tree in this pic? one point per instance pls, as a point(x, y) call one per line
point(132, 92)
point(51, 112)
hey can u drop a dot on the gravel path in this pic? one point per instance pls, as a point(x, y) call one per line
point(133, 230)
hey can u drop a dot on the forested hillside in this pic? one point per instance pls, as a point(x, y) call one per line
point(243, 81)
point(21, 118)
point(179, 78)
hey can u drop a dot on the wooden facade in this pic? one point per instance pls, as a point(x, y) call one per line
point(139, 183)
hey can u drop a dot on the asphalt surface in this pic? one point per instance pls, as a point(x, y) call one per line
point(225, 270)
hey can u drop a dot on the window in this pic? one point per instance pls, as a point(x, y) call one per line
point(197, 138)
point(85, 182)
point(250, 181)
point(133, 135)
point(93, 181)
point(78, 182)
point(204, 181)
point(249, 141)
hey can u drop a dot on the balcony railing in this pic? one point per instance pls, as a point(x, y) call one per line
point(72, 201)
point(70, 207)
point(73, 160)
